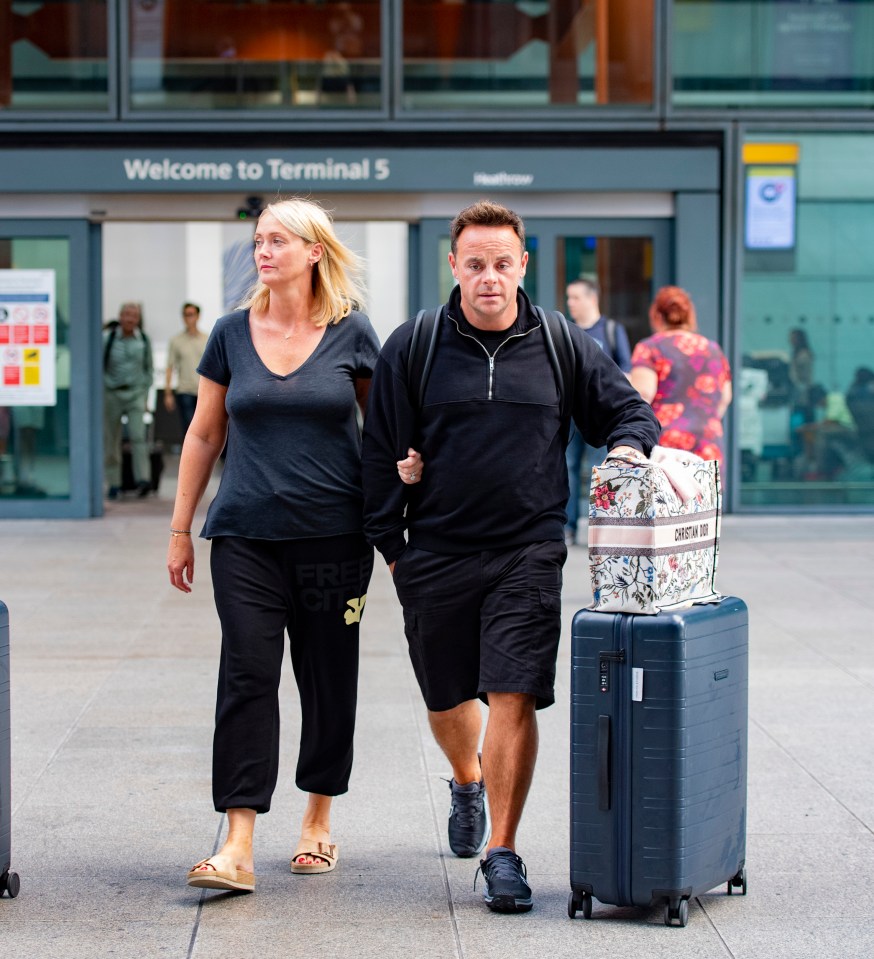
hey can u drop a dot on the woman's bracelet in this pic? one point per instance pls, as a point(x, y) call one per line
point(180, 532)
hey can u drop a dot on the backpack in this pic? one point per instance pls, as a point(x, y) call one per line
point(611, 337)
point(559, 349)
point(113, 332)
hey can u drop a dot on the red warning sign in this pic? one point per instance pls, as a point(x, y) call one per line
point(11, 375)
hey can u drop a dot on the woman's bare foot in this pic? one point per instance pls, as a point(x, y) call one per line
point(236, 853)
point(227, 859)
point(315, 827)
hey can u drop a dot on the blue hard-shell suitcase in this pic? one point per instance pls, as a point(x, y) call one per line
point(8, 880)
point(658, 757)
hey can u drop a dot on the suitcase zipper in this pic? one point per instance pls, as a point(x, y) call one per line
point(623, 763)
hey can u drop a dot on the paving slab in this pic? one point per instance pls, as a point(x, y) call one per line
point(113, 697)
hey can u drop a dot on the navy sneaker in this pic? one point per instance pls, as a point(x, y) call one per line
point(469, 824)
point(505, 875)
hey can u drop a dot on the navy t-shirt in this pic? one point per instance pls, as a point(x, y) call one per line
point(293, 464)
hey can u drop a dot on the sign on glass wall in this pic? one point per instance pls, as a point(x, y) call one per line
point(27, 338)
point(770, 195)
point(770, 208)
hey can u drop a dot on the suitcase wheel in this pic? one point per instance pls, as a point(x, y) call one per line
point(738, 882)
point(680, 912)
point(9, 882)
point(579, 901)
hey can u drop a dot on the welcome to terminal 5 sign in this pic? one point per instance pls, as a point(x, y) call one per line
point(161, 171)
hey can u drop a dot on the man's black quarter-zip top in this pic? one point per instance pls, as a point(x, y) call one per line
point(490, 435)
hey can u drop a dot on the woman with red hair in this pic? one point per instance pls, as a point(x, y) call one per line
point(684, 376)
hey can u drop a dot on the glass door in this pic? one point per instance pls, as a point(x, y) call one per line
point(49, 378)
point(629, 258)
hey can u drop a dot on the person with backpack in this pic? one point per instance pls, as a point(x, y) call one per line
point(127, 379)
point(584, 307)
point(486, 388)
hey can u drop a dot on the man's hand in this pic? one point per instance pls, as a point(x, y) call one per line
point(169, 401)
point(627, 453)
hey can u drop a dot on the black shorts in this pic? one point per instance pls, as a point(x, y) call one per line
point(483, 623)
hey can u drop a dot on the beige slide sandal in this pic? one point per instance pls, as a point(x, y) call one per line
point(328, 852)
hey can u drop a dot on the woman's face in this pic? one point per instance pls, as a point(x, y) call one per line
point(282, 257)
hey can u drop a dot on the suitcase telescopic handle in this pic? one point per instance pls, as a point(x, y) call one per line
point(604, 763)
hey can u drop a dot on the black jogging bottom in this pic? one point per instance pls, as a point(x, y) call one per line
point(314, 589)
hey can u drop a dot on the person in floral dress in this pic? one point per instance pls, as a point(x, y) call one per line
point(684, 376)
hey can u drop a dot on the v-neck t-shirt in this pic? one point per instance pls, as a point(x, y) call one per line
point(293, 463)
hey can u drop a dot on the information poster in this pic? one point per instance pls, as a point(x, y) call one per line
point(770, 208)
point(27, 338)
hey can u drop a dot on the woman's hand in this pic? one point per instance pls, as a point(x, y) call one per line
point(180, 561)
point(410, 469)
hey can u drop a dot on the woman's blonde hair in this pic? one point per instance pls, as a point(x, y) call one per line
point(337, 284)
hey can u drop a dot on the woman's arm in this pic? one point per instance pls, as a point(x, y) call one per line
point(409, 469)
point(725, 400)
point(362, 391)
point(645, 381)
point(203, 445)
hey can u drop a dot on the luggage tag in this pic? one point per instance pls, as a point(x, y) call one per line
point(636, 684)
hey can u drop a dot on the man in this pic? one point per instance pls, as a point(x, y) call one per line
point(480, 577)
point(183, 355)
point(127, 379)
point(585, 310)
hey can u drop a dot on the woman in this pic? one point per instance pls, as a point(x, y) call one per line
point(280, 378)
point(684, 376)
point(801, 369)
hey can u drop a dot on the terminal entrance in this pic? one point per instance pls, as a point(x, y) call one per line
point(51, 457)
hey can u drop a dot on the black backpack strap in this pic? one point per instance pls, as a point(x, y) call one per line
point(611, 337)
point(147, 353)
point(422, 346)
point(108, 347)
point(560, 349)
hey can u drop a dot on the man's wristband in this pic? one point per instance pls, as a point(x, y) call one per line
point(180, 532)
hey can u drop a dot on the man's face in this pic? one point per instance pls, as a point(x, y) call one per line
point(190, 316)
point(582, 304)
point(576, 301)
point(129, 319)
point(489, 264)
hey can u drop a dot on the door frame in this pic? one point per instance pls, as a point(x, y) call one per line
point(86, 377)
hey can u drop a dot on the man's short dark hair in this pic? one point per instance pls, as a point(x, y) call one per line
point(486, 213)
point(191, 306)
point(590, 284)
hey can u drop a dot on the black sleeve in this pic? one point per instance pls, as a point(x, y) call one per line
point(607, 409)
point(389, 428)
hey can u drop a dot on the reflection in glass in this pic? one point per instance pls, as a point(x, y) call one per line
point(222, 54)
point(35, 440)
point(53, 56)
point(805, 390)
point(792, 54)
point(471, 54)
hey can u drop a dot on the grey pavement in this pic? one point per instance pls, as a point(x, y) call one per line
point(113, 677)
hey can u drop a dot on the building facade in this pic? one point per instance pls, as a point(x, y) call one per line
point(724, 146)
